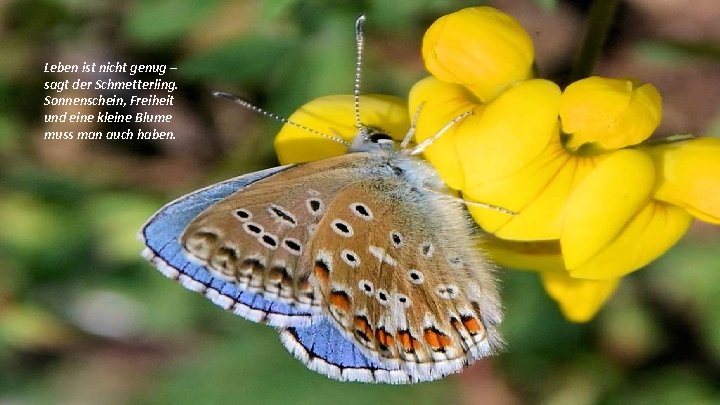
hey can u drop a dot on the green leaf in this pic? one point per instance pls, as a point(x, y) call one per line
point(276, 8)
point(116, 219)
point(251, 59)
point(162, 21)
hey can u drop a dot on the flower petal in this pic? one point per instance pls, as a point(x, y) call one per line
point(335, 115)
point(654, 230)
point(689, 176)
point(579, 299)
point(611, 113)
point(537, 193)
point(511, 132)
point(542, 218)
point(515, 192)
point(481, 48)
point(439, 103)
point(535, 256)
point(604, 202)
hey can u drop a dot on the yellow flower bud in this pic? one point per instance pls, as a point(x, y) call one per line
point(335, 116)
point(480, 48)
point(689, 176)
point(609, 113)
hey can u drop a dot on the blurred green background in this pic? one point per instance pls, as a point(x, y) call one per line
point(83, 319)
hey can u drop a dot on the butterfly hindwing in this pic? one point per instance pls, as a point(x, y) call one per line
point(401, 277)
point(162, 248)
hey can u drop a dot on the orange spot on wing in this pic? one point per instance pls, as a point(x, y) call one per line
point(385, 339)
point(472, 325)
point(322, 272)
point(361, 323)
point(432, 338)
point(340, 300)
point(362, 328)
point(437, 340)
point(407, 341)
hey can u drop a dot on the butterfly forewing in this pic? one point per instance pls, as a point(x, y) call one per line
point(257, 238)
point(162, 248)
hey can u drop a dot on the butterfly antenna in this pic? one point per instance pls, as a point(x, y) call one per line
point(424, 144)
point(489, 207)
point(473, 203)
point(237, 100)
point(413, 126)
point(359, 44)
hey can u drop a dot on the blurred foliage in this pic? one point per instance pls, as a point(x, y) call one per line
point(83, 319)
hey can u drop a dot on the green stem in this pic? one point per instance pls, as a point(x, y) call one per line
point(600, 20)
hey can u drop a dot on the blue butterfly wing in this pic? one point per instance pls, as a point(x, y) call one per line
point(160, 236)
point(324, 349)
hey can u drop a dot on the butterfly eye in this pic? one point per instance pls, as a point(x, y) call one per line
point(380, 137)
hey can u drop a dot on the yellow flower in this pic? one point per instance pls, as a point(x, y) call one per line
point(335, 116)
point(480, 48)
point(589, 209)
point(592, 201)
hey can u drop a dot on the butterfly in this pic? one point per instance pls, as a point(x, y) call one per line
point(366, 263)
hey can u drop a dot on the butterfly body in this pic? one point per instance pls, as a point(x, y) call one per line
point(364, 261)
